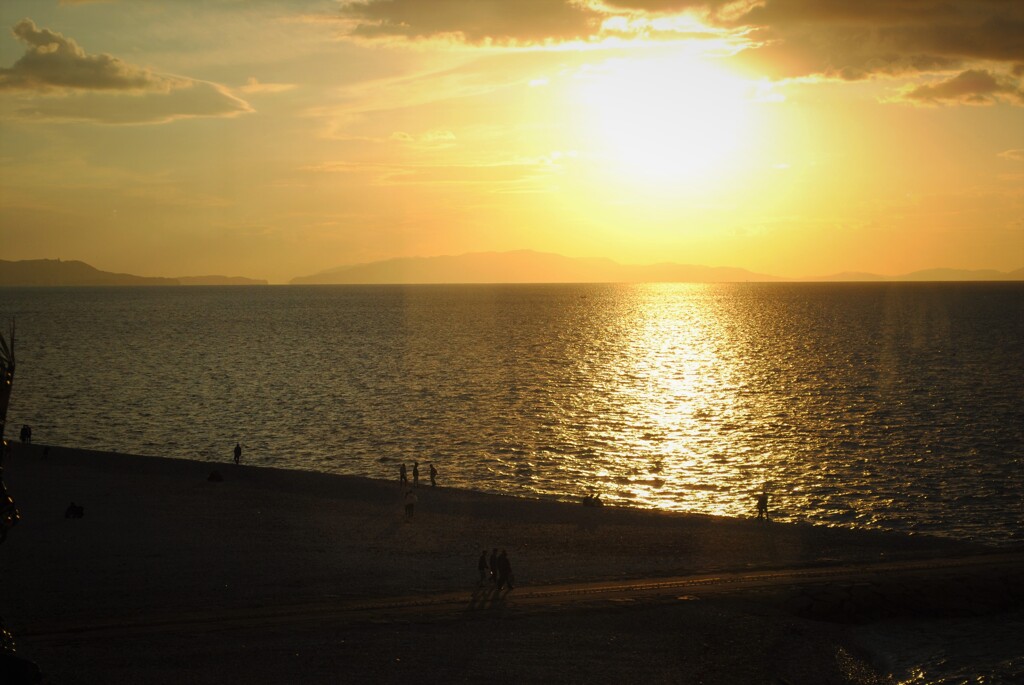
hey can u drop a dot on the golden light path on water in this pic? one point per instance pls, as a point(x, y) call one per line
point(672, 393)
point(879, 405)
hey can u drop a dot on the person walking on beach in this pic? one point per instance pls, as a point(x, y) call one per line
point(238, 453)
point(762, 504)
point(433, 475)
point(504, 571)
point(415, 474)
point(26, 434)
point(403, 478)
point(481, 566)
point(494, 565)
point(410, 503)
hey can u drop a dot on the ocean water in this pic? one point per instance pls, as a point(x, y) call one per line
point(891, 406)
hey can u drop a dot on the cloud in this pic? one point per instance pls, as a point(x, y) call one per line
point(1015, 155)
point(850, 41)
point(782, 38)
point(254, 86)
point(972, 87)
point(504, 176)
point(53, 61)
point(474, 21)
point(193, 99)
point(856, 40)
point(56, 80)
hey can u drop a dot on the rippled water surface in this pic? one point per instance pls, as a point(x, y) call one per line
point(897, 406)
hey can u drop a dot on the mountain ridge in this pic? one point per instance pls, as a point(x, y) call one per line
point(528, 266)
point(74, 273)
point(519, 266)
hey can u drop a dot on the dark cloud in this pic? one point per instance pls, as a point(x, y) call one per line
point(56, 80)
point(781, 38)
point(475, 21)
point(788, 38)
point(974, 87)
point(855, 40)
point(53, 61)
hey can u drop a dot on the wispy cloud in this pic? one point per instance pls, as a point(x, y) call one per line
point(498, 176)
point(253, 87)
point(1015, 155)
point(474, 21)
point(194, 99)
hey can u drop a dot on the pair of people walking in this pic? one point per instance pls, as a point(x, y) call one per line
point(762, 504)
point(403, 475)
point(497, 569)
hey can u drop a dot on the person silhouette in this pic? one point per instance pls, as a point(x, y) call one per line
point(415, 474)
point(238, 452)
point(410, 503)
point(762, 505)
point(481, 566)
point(433, 475)
point(504, 571)
point(494, 565)
point(403, 477)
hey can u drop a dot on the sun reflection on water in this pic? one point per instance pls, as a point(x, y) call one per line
point(668, 409)
point(892, 406)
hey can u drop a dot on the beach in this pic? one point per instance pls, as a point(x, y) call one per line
point(269, 575)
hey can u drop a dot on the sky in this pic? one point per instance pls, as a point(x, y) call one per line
point(280, 138)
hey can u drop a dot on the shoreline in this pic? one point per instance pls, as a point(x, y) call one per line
point(159, 540)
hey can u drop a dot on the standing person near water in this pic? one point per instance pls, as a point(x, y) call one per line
point(415, 474)
point(403, 478)
point(762, 504)
point(238, 452)
point(433, 475)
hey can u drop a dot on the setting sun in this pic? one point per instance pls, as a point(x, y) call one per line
point(664, 119)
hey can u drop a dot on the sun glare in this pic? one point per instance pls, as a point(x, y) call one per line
point(664, 119)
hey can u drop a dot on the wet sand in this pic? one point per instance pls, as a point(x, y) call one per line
point(159, 542)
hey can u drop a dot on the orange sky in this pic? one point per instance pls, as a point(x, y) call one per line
point(274, 139)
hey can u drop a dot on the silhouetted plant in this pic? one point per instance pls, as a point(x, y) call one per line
point(6, 376)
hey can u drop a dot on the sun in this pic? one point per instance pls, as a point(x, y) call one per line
point(664, 119)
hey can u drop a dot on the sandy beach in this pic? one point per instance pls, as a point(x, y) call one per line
point(274, 576)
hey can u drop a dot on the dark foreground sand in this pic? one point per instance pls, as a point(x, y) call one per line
point(170, 578)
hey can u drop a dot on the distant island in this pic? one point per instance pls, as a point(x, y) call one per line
point(524, 266)
point(56, 272)
point(219, 280)
point(527, 266)
point(520, 266)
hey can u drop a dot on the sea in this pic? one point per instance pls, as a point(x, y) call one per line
point(893, 406)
